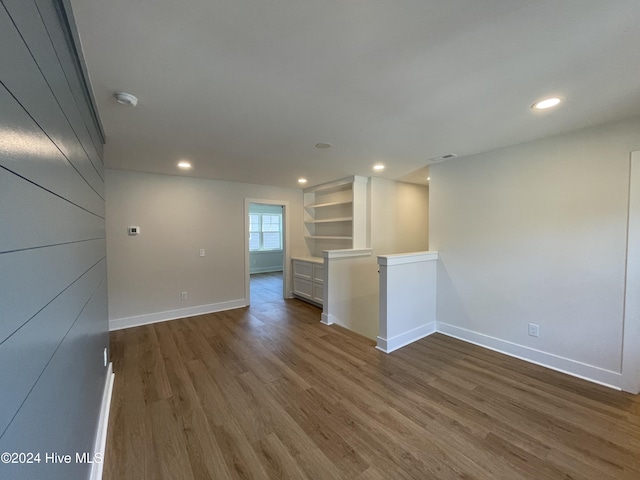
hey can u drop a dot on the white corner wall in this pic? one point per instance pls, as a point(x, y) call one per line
point(536, 233)
point(177, 217)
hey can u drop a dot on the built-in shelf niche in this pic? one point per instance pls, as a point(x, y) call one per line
point(335, 215)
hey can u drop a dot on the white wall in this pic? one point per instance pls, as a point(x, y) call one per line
point(537, 233)
point(177, 217)
point(266, 261)
point(399, 216)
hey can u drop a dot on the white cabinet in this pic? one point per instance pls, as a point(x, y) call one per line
point(308, 279)
point(335, 215)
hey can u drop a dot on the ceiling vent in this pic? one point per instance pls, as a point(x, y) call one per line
point(442, 158)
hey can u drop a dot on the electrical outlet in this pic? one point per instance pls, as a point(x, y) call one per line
point(202, 252)
point(534, 330)
point(183, 296)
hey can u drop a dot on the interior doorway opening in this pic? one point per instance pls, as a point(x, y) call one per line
point(266, 250)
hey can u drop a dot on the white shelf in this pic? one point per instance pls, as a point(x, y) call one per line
point(328, 204)
point(331, 220)
point(335, 215)
point(327, 237)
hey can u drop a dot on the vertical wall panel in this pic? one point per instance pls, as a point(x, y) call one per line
point(53, 298)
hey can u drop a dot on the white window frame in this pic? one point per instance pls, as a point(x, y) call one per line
point(261, 232)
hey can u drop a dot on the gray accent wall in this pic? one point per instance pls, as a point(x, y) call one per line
point(53, 288)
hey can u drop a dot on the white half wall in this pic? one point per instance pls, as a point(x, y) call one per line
point(177, 217)
point(536, 233)
point(351, 291)
point(407, 298)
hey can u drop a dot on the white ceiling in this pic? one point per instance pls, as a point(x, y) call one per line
point(244, 89)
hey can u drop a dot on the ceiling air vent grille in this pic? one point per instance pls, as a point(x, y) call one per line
point(442, 158)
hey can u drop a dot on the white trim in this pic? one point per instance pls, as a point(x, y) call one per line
point(277, 268)
point(347, 253)
point(265, 252)
point(328, 319)
point(631, 325)
point(336, 183)
point(574, 368)
point(103, 424)
point(403, 258)
point(388, 345)
point(318, 260)
point(146, 319)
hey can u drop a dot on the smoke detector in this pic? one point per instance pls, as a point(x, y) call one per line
point(124, 98)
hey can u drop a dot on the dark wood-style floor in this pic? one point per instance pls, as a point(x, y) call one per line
point(269, 392)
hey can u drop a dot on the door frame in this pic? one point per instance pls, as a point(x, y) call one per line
point(631, 324)
point(286, 257)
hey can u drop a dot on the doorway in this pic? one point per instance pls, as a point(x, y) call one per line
point(266, 250)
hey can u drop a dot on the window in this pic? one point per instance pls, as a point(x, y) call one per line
point(265, 231)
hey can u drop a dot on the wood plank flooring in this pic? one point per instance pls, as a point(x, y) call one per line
point(269, 392)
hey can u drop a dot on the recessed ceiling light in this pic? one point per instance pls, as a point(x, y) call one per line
point(302, 180)
point(546, 103)
point(378, 167)
point(323, 145)
point(428, 178)
point(183, 164)
point(124, 98)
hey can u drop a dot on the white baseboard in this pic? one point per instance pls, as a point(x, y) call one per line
point(139, 320)
point(327, 319)
point(265, 269)
point(591, 373)
point(103, 425)
point(388, 345)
